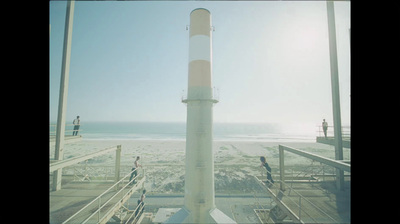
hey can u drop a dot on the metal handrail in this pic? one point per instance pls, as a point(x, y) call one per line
point(313, 157)
point(257, 203)
point(99, 197)
point(55, 125)
point(345, 133)
point(123, 188)
point(337, 164)
point(66, 130)
point(214, 97)
point(331, 162)
point(74, 160)
point(294, 216)
point(141, 206)
point(300, 198)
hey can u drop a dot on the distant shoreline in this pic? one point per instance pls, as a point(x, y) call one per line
point(259, 132)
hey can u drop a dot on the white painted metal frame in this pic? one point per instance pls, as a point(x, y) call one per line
point(68, 162)
point(116, 206)
point(331, 162)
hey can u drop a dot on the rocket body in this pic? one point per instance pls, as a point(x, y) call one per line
point(199, 176)
point(199, 202)
point(200, 55)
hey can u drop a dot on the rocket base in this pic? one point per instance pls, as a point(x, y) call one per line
point(215, 216)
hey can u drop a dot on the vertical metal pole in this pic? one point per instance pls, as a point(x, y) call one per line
point(299, 207)
point(98, 216)
point(117, 164)
point(282, 167)
point(62, 102)
point(335, 92)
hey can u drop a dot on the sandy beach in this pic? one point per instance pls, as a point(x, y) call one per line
point(163, 161)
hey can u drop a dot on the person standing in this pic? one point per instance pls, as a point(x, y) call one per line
point(76, 123)
point(143, 196)
point(140, 207)
point(135, 167)
point(325, 127)
point(265, 164)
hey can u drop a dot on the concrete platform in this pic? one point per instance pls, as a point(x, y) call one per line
point(346, 142)
point(239, 207)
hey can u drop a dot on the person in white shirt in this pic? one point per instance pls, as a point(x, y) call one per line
point(325, 127)
point(76, 123)
point(134, 173)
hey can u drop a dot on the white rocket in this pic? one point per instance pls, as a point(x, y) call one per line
point(199, 205)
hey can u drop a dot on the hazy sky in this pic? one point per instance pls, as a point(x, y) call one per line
point(129, 60)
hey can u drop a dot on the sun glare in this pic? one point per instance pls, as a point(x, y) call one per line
point(306, 38)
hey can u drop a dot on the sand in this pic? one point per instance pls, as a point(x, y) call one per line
point(163, 161)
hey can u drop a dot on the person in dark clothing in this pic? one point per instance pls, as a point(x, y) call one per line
point(140, 204)
point(325, 127)
point(265, 164)
point(77, 124)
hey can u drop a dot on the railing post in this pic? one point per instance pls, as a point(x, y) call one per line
point(98, 216)
point(299, 207)
point(143, 177)
point(117, 165)
point(282, 167)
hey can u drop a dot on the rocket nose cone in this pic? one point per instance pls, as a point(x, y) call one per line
point(200, 22)
point(199, 9)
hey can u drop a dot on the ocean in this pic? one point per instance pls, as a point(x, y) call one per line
point(268, 132)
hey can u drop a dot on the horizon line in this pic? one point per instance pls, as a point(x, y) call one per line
point(215, 122)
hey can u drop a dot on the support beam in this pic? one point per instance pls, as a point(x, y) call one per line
point(278, 200)
point(117, 164)
point(335, 92)
point(62, 102)
point(282, 167)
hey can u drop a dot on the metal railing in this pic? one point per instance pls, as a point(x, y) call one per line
point(136, 213)
point(68, 162)
point(260, 209)
point(69, 129)
point(298, 200)
point(92, 172)
point(300, 203)
point(109, 212)
point(54, 166)
point(346, 131)
point(214, 97)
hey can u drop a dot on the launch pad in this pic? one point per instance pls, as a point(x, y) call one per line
point(284, 202)
point(310, 198)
